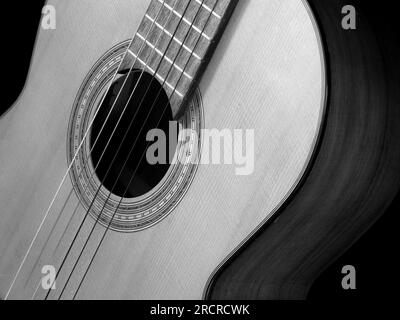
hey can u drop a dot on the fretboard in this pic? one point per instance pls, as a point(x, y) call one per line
point(175, 42)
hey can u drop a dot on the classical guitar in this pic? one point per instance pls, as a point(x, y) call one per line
point(192, 149)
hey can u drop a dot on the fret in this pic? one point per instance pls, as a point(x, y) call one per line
point(176, 25)
point(164, 56)
point(183, 19)
point(154, 56)
point(198, 2)
point(174, 41)
point(193, 40)
point(191, 12)
point(163, 80)
point(192, 66)
point(208, 9)
point(162, 42)
point(186, 8)
point(184, 46)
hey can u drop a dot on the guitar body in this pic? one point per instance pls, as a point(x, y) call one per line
point(269, 73)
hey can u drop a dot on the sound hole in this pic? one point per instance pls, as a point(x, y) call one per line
point(124, 172)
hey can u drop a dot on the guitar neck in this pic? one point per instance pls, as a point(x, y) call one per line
point(175, 42)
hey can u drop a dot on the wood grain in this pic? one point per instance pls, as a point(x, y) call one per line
point(267, 74)
point(354, 177)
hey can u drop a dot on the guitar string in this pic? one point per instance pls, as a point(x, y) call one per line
point(92, 202)
point(142, 156)
point(94, 144)
point(122, 169)
point(59, 187)
point(119, 148)
point(96, 140)
point(120, 118)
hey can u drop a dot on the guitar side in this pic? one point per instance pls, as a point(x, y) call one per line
point(352, 180)
point(267, 74)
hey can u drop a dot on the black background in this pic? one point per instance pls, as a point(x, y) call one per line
point(373, 255)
